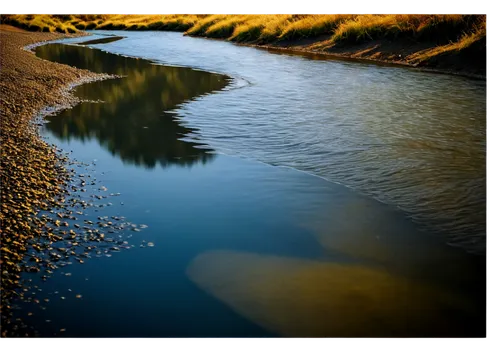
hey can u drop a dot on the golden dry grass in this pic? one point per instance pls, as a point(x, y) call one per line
point(465, 42)
point(224, 28)
point(45, 23)
point(313, 25)
point(420, 27)
point(148, 22)
point(446, 32)
point(200, 27)
point(260, 27)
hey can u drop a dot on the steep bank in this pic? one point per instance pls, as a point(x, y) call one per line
point(470, 62)
point(448, 43)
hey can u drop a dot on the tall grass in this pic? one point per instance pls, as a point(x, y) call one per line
point(200, 27)
point(475, 38)
point(444, 32)
point(147, 22)
point(261, 28)
point(436, 28)
point(225, 27)
point(45, 23)
point(74, 23)
point(274, 27)
point(313, 26)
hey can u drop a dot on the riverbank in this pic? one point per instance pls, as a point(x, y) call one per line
point(445, 43)
point(34, 175)
point(367, 53)
point(274, 213)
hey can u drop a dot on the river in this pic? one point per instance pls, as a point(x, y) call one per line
point(282, 195)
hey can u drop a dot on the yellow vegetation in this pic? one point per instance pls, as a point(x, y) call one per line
point(445, 33)
point(45, 23)
point(465, 42)
point(224, 28)
point(313, 25)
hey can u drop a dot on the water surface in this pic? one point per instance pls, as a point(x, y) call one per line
point(242, 248)
point(129, 116)
point(410, 139)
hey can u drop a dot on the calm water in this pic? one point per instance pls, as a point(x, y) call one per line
point(413, 140)
point(248, 249)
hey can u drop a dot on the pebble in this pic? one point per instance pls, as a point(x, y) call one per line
point(39, 180)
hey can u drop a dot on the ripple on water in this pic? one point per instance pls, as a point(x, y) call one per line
point(409, 139)
point(413, 140)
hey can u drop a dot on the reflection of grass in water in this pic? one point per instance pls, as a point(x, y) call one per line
point(129, 120)
point(301, 298)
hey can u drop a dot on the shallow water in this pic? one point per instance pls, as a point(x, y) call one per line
point(247, 249)
point(410, 139)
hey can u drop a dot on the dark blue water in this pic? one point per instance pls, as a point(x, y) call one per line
point(239, 247)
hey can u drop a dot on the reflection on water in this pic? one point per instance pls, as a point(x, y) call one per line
point(305, 256)
point(103, 40)
point(127, 115)
point(307, 298)
point(403, 138)
point(413, 140)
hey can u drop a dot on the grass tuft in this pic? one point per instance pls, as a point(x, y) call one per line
point(225, 27)
point(313, 26)
point(476, 38)
point(200, 27)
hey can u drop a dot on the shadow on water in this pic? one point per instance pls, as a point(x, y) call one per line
point(104, 40)
point(127, 115)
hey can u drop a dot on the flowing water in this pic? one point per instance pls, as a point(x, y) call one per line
point(359, 248)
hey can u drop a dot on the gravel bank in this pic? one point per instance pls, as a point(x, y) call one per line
point(34, 176)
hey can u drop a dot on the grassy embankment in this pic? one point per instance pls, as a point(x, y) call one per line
point(456, 42)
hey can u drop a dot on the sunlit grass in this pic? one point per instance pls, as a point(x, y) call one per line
point(437, 28)
point(73, 23)
point(225, 27)
point(274, 27)
point(313, 25)
point(265, 28)
point(45, 23)
point(147, 22)
point(366, 27)
point(444, 33)
point(200, 27)
point(248, 31)
point(344, 28)
point(466, 41)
